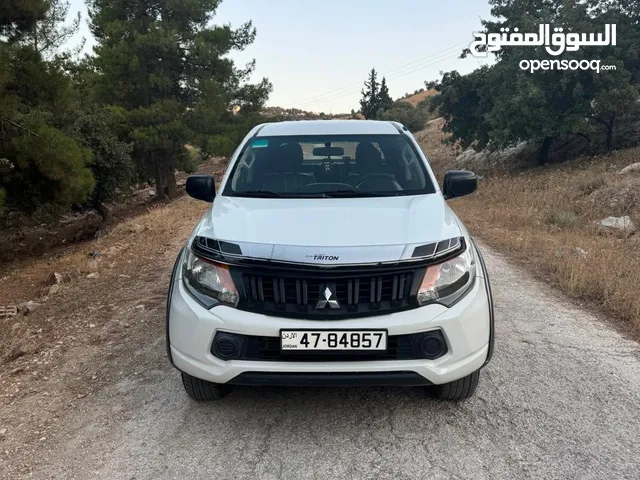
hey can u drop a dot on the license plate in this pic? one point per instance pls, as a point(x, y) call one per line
point(329, 340)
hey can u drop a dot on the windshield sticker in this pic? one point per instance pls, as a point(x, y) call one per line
point(260, 143)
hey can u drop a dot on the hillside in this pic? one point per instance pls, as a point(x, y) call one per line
point(548, 218)
point(416, 98)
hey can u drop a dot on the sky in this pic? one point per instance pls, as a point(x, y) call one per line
point(317, 54)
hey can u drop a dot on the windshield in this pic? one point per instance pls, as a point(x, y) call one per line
point(329, 166)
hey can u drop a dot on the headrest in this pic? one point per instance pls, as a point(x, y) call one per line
point(368, 158)
point(289, 157)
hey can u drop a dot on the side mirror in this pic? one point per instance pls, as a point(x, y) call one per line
point(201, 187)
point(458, 183)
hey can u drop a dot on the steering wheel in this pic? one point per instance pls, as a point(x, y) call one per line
point(378, 181)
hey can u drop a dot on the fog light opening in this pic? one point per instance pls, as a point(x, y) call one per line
point(226, 347)
point(433, 345)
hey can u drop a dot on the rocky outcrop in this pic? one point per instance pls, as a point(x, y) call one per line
point(520, 155)
point(633, 168)
point(621, 224)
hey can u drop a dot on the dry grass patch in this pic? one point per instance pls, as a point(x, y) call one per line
point(547, 218)
point(94, 273)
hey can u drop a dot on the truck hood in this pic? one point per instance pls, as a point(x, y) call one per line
point(353, 229)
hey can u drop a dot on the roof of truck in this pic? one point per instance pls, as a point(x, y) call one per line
point(328, 127)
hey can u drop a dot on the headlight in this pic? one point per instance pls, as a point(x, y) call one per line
point(446, 282)
point(209, 282)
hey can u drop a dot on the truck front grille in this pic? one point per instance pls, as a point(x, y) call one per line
point(327, 294)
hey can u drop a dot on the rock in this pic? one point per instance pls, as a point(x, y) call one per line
point(633, 168)
point(93, 254)
point(140, 307)
point(93, 264)
point(581, 252)
point(114, 250)
point(54, 279)
point(3, 432)
point(622, 224)
point(23, 348)
point(93, 275)
point(53, 289)
point(28, 307)
point(619, 198)
point(92, 325)
point(135, 228)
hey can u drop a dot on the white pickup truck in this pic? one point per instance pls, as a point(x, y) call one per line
point(329, 256)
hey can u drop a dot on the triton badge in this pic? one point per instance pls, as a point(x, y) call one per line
point(323, 257)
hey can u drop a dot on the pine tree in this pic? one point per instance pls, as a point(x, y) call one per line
point(52, 31)
point(384, 100)
point(369, 104)
point(166, 66)
point(16, 18)
point(35, 97)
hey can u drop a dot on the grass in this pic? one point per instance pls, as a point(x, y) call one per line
point(547, 219)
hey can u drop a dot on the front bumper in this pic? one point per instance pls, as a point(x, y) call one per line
point(467, 328)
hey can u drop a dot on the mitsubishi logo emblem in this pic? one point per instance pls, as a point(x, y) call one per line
point(326, 299)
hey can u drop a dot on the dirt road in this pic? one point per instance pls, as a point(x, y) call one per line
point(561, 399)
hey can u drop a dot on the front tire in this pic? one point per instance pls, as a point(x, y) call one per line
point(201, 390)
point(459, 389)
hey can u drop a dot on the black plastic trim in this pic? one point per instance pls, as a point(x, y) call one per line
point(235, 260)
point(330, 379)
point(228, 247)
point(260, 127)
point(487, 286)
point(268, 349)
point(169, 295)
point(398, 126)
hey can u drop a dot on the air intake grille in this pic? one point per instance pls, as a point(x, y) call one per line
point(326, 295)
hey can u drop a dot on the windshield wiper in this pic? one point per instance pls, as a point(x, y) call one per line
point(260, 194)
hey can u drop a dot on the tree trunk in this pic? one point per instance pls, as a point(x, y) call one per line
point(157, 171)
point(610, 129)
point(543, 156)
point(106, 215)
point(104, 212)
point(170, 176)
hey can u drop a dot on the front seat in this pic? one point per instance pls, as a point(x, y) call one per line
point(368, 161)
point(287, 174)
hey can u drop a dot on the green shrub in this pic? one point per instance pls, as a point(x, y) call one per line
point(562, 218)
point(413, 118)
point(590, 185)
